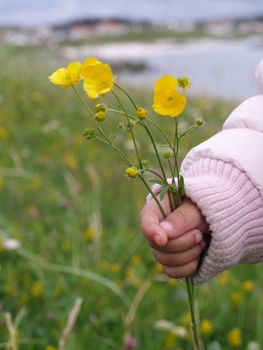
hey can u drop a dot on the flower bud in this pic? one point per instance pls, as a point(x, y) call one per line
point(167, 155)
point(132, 172)
point(89, 133)
point(141, 113)
point(100, 116)
point(199, 122)
point(184, 82)
point(145, 164)
point(100, 107)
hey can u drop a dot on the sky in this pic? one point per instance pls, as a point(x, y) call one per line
point(41, 12)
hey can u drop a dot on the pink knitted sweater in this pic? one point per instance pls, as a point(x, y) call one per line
point(224, 177)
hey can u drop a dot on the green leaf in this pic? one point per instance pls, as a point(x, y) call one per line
point(181, 186)
point(159, 182)
point(164, 191)
point(174, 188)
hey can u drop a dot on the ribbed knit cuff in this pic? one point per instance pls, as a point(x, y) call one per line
point(233, 208)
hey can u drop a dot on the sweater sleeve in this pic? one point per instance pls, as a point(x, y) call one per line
point(224, 177)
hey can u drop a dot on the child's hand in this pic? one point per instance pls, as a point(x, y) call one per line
point(177, 240)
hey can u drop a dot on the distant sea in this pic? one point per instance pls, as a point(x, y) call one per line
point(41, 12)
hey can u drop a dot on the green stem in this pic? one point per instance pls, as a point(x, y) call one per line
point(153, 195)
point(194, 325)
point(132, 133)
point(176, 150)
point(127, 94)
point(82, 101)
point(122, 113)
point(161, 131)
point(121, 154)
point(187, 131)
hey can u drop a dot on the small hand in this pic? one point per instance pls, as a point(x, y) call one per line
point(177, 241)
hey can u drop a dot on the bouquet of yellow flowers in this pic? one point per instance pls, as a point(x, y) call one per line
point(169, 100)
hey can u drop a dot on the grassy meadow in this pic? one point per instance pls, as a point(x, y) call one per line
point(75, 214)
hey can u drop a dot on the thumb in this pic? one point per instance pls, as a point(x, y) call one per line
point(185, 218)
point(150, 218)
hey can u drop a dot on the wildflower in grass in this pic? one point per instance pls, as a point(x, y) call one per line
point(70, 160)
point(132, 172)
point(37, 289)
point(129, 342)
point(172, 281)
point(170, 341)
point(206, 326)
point(236, 298)
point(223, 279)
point(133, 278)
point(35, 183)
point(186, 319)
point(50, 347)
point(158, 268)
point(89, 233)
point(167, 101)
point(136, 259)
point(68, 76)
point(98, 77)
point(253, 346)
point(234, 338)
point(248, 286)
point(4, 134)
point(115, 268)
point(1, 182)
point(141, 113)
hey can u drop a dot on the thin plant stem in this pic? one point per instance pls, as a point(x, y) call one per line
point(161, 131)
point(122, 113)
point(121, 154)
point(82, 101)
point(153, 195)
point(132, 133)
point(128, 95)
point(187, 131)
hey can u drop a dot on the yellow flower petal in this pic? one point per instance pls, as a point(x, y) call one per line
point(167, 101)
point(98, 77)
point(68, 76)
point(166, 82)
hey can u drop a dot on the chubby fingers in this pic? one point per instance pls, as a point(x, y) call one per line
point(183, 219)
point(182, 243)
point(150, 218)
point(180, 256)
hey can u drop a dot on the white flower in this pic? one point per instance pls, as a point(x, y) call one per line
point(253, 346)
point(11, 244)
point(169, 326)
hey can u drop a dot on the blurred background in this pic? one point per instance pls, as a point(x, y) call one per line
point(69, 238)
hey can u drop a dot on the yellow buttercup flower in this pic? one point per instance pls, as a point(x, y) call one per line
point(248, 286)
point(68, 76)
point(206, 327)
point(234, 338)
point(167, 101)
point(98, 77)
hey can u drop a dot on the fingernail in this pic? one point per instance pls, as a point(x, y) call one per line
point(198, 237)
point(167, 226)
point(158, 239)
